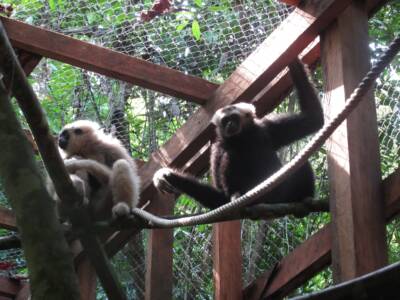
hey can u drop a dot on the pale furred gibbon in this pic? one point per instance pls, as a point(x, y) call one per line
point(245, 151)
point(105, 159)
point(91, 180)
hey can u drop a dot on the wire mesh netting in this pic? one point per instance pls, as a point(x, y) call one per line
point(208, 39)
point(203, 38)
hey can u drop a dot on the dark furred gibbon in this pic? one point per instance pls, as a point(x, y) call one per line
point(245, 151)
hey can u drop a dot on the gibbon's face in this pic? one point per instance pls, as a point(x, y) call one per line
point(232, 119)
point(75, 136)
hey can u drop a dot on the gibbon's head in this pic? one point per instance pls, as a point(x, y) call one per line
point(74, 137)
point(232, 119)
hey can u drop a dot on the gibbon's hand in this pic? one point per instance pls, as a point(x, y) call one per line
point(162, 181)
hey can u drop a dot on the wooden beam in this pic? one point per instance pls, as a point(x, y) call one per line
point(7, 219)
point(315, 256)
point(380, 284)
point(25, 292)
point(87, 280)
point(276, 52)
point(159, 274)
point(291, 2)
point(107, 62)
point(358, 221)
point(9, 287)
point(309, 262)
point(104, 269)
point(391, 191)
point(227, 253)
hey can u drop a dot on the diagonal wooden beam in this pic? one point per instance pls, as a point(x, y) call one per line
point(107, 62)
point(9, 287)
point(7, 219)
point(24, 293)
point(314, 254)
point(277, 51)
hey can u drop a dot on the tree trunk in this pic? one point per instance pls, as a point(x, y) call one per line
point(48, 257)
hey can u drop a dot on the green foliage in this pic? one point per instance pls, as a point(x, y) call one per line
point(181, 39)
point(196, 30)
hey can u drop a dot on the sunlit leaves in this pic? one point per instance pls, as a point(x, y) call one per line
point(196, 30)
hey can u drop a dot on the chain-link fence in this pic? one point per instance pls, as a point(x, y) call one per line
point(204, 38)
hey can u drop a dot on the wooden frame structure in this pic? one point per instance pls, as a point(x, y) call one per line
point(188, 149)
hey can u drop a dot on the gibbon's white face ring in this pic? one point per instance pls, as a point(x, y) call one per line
point(241, 107)
point(229, 119)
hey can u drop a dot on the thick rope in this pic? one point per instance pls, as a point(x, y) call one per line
point(299, 160)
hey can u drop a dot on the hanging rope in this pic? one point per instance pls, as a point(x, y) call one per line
point(278, 177)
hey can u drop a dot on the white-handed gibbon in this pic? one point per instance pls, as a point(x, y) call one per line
point(91, 180)
point(245, 151)
point(105, 159)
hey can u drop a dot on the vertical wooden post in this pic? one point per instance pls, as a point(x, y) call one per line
point(24, 293)
point(359, 242)
point(227, 261)
point(87, 280)
point(159, 254)
point(86, 273)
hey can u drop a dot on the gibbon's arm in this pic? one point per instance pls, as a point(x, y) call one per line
point(101, 172)
point(285, 129)
point(215, 163)
point(170, 181)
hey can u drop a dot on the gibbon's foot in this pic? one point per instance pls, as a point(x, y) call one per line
point(120, 210)
point(160, 180)
point(79, 185)
point(235, 196)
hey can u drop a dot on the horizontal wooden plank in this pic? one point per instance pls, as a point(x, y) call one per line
point(107, 62)
point(9, 287)
point(7, 219)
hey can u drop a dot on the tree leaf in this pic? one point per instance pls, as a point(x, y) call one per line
point(182, 25)
point(52, 5)
point(196, 30)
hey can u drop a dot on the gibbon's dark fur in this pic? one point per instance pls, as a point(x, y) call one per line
point(106, 160)
point(245, 151)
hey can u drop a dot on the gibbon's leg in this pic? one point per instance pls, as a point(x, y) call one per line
point(81, 186)
point(167, 180)
point(125, 185)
